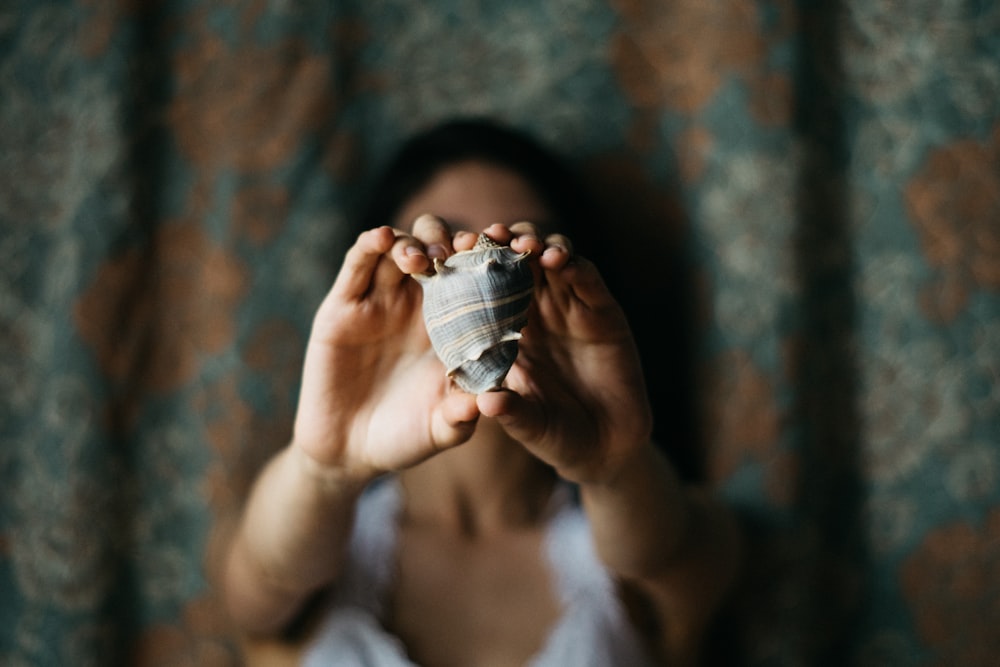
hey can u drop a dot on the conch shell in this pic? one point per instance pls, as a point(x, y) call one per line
point(475, 305)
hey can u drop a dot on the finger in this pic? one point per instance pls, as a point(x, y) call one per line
point(499, 233)
point(464, 240)
point(557, 253)
point(526, 238)
point(360, 263)
point(576, 274)
point(579, 281)
point(435, 234)
point(409, 254)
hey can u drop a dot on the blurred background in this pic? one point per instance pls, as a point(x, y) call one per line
point(805, 230)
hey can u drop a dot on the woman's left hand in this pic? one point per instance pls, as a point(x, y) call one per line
point(575, 396)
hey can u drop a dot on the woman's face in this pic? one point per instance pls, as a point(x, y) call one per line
point(471, 196)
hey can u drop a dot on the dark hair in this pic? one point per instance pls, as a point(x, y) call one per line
point(424, 155)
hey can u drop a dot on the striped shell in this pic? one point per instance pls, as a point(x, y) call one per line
point(475, 305)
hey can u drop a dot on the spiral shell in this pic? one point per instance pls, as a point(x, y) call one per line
point(475, 305)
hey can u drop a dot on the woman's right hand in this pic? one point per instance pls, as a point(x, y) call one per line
point(374, 397)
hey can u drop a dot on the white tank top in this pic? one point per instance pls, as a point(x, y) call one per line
point(593, 630)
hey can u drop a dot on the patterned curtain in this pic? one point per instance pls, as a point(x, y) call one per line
point(178, 182)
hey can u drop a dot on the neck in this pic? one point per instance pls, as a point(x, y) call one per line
point(488, 485)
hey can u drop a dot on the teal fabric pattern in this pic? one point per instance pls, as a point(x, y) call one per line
point(807, 192)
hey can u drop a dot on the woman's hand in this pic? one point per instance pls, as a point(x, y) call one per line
point(575, 396)
point(374, 397)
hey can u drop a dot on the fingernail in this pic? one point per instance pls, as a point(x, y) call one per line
point(554, 248)
point(436, 251)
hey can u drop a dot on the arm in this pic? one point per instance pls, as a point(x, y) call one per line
point(373, 400)
point(678, 546)
point(291, 540)
point(577, 400)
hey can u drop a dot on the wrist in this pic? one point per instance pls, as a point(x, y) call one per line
point(622, 468)
point(339, 479)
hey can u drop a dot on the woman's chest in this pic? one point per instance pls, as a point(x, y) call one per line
point(461, 602)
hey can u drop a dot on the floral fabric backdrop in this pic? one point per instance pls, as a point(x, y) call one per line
point(177, 185)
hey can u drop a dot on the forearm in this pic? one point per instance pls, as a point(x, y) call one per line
point(678, 544)
point(639, 515)
point(291, 540)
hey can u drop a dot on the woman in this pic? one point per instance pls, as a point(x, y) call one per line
point(533, 525)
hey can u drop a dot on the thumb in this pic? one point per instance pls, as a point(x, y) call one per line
point(519, 417)
point(454, 420)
